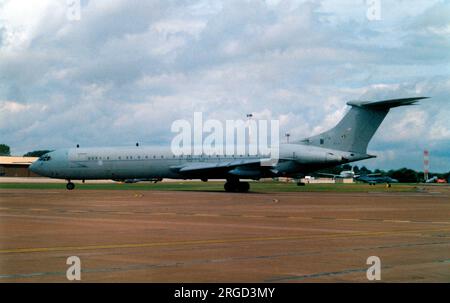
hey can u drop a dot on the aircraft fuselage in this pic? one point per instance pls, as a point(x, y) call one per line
point(156, 162)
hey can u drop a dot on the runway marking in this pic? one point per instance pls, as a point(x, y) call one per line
point(232, 215)
point(397, 221)
point(299, 218)
point(214, 241)
point(124, 212)
point(207, 215)
point(77, 211)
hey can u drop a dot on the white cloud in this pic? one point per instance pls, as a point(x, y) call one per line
point(8, 107)
point(412, 124)
point(22, 21)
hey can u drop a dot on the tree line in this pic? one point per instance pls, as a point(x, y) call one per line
point(404, 174)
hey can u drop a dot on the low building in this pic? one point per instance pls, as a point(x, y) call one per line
point(16, 166)
point(314, 180)
point(345, 180)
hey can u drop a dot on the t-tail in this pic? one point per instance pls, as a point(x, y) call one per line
point(358, 126)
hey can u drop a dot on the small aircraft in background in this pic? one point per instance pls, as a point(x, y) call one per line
point(372, 180)
point(432, 180)
point(435, 179)
point(347, 174)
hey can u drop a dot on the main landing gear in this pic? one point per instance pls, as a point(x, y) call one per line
point(236, 186)
point(70, 185)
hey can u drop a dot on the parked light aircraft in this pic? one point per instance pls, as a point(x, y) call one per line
point(431, 180)
point(435, 179)
point(346, 142)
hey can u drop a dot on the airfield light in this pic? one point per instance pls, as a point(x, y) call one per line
point(287, 137)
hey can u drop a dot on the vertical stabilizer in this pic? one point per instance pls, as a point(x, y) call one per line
point(358, 126)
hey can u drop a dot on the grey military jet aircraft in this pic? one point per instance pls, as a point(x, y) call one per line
point(346, 142)
point(375, 180)
point(346, 174)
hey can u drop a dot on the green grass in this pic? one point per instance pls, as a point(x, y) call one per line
point(218, 186)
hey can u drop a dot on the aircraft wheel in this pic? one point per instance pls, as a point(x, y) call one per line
point(243, 187)
point(228, 186)
point(388, 185)
point(70, 186)
point(301, 184)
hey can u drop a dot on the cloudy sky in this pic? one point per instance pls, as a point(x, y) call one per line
point(126, 69)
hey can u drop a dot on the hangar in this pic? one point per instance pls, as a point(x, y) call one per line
point(16, 166)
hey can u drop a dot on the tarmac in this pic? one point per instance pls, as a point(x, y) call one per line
point(177, 236)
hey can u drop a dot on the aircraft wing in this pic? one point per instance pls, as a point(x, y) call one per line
point(201, 166)
point(239, 167)
point(331, 175)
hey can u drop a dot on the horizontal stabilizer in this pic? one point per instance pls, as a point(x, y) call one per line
point(386, 104)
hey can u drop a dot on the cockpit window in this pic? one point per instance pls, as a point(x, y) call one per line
point(45, 158)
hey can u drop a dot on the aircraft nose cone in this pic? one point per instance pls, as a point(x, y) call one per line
point(32, 167)
point(35, 167)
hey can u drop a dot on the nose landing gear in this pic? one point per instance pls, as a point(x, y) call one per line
point(70, 185)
